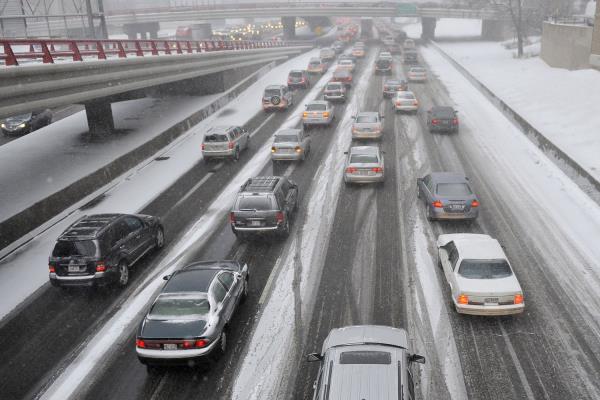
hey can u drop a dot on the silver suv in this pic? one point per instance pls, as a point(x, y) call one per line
point(225, 142)
point(365, 362)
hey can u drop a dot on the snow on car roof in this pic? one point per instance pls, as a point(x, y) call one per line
point(476, 246)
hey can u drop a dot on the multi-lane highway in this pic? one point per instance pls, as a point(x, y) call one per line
point(356, 255)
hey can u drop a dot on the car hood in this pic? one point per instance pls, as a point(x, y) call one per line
point(483, 287)
point(17, 119)
point(177, 329)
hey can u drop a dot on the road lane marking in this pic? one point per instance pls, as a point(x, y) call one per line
point(193, 189)
point(518, 366)
point(254, 132)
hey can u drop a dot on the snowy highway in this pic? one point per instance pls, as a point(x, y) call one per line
point(356, 255)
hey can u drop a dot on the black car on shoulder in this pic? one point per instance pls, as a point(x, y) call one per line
point(26, 123)
point(188, 321)
point(264, 205)
point(101, 249)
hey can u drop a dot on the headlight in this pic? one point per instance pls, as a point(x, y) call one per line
point(3, 125)
point(23, 125)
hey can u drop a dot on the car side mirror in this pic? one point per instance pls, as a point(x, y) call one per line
point(166, 277)
point(313, 357)
point(416, 358)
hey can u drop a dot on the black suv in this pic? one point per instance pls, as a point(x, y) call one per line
point(100, 249)
point(265, 204)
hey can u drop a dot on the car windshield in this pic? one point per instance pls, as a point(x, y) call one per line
point(316, 107)
point(216, 137)
point(260, 203)
point(363, 159)
point(366, 119)
point(180, 307)
point(452, 189)
point(314, 63)
point(441, 113)
point(286, 138)
point(272, 92)
point(484, 269)
point(69, 248)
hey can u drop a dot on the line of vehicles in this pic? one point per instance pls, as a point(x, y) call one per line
point(187, 323)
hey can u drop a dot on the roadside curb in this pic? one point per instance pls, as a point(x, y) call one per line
point(567, 164)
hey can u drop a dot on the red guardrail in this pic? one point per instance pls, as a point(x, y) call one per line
point(47, 50)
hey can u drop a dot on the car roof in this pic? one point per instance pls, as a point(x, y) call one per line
point(194, 279)
point(219, 128)
point(89, 226)
point(297, 70)
point(366, 334)
point(317, 102)
point(392, 81)
point(288, 131)
point(442, 109)
point(478, 247)
point(448, 177)
point(261, 184)
point(314, 59)
point(274, 87)
point(364, 150)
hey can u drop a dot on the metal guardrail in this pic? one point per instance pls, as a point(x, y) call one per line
point(48, 51)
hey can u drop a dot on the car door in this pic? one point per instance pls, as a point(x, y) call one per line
point(234, 136)
point(219, 294)
point(125, 245)
point(245, 135)
point(291, 196)
point(136, 236)
point(450, 267)
point(233, 288)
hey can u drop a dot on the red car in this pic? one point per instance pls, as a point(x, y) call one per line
point(344, 76)
point(298, 78)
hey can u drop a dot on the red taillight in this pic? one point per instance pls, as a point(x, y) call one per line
point(474, 203)
point(437, 204)
point(51, 268)
point(435, 122)
point(230, 145)
point(279, 217)
point(462, 299)
point(100, 266)
point(203, 146)
point(140, 343)
point(377, 169)
point(351, 170)
point(188, 344)
point(232, 217)
point(455, 121)
point(201, 343)
point(519, 299)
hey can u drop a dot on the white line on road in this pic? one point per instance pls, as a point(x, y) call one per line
point(193, 189)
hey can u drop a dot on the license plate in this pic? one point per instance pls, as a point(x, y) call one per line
point(491, 300)
point(73, 268)
point(170, 346)
point(457, 207)
point(255, 223)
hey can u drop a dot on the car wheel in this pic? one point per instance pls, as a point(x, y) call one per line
point(286, 228)
point(123, 269)
point(160, 238)
point(248, 143)
point(429, 213)
point(222, 344)
point(439, 263)
point(245, 291)
point(236, 154)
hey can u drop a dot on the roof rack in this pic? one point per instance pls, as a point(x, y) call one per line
point(261, 184)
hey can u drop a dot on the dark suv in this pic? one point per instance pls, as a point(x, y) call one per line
point(100, 249)
point(265, 204)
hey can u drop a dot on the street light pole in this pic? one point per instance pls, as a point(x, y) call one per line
point(102, 19)
point(90, 17)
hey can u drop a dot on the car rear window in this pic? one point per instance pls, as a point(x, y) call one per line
point(286, 138)
point(363, 158)
point(272, 92)
point(314, 63)
point(180, 307)
point(316, 107)
point(383, 63)
point(296, 74)
point(484, 269)
point(366, 118)
point(453, 189)
point(346, 61)
point(443, 113)
point(417, 70)
point(341, 73)
point(366, 357)
point(216, 138)
point(68, 248)
point(337, 86)
point(259, 203)
point(405, 95)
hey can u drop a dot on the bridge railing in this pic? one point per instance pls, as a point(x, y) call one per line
point(48, 51)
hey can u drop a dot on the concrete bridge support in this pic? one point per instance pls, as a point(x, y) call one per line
point(100, 118)
point(497, 30)
point(145, 30)
point(289, 27)
point(201, 31)
point(428, 28)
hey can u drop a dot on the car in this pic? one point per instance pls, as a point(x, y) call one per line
point(391, 86)
point(277, 97)
point(187, 323)
point(410, 56)
point(364, 164)
point(417, 74)
point(338, 46)
point(327, 54)
point(442, 119)
point(298, 78)
point(360, 44)
point(348, 56)
point(367, 125)
point(394, 48)
point(365, 362)
point(264, 205)
point(385, 54)
point(388, 40)
point(318, 113)
point(409, 44)
point(383, 66)
point(335, 91)
point(481, 279)
point(315, 66)
point(346, 64)
point(26, 123)
point(343, 76)
point(358, 52)
point(448, 195)
point(405, 101)
point(290, 144)
point(225, 142)
point(101, 249)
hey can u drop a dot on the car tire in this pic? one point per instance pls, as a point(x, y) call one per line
point(160, 238)
point(429, 213)
point(236, 154)
point(439, 263)
point(123, 270)
point(222, 347)
point(286, 228)
point(245, 290)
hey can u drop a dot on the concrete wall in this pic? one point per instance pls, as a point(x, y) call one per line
point(566, 46)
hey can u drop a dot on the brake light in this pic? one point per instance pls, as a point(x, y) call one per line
point(203, 146)
point(398, 103)
point(416, 103)
point(279, 217)
point(462, 299)
point(51, 269)
point(201, 343)
point(351, 170)
point(140, 343)
point(230, 145)
point(519, 299)
point(434, 121)
point(474, 203)
point(298, 149)
point(377, 169)
point(188, 344)
point(326, 114)
point(100, 266)
point(305, 114)
point(232, 217)
point(273, 149)
point(455, 121)
point(437, 204)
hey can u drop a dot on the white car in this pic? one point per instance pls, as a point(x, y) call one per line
point(405, 101)
point(318, 113)
point(364, 164)
point(385, 54)
point(481, 280)
point(346, 64)
point(417, 74)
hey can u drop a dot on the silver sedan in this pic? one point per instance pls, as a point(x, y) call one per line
point(364, 164)
point(367, 125)
point(448, 195)
point(318, 112)
point(405, 101)
point(290, 144)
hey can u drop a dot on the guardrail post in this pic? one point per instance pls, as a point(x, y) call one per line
point(10, 55)
point(47, 57)
point(167, 47)
point(138, 49)
point(178, 44)
point(100, 49)
point(121, 53)
point(154, 48)
point(188, 46)
point(75, 49)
